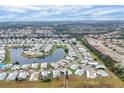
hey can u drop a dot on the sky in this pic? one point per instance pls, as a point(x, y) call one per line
point(61, 13)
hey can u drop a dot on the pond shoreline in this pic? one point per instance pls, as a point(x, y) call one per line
point(54, 56)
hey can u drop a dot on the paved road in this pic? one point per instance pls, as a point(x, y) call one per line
point(77, 51)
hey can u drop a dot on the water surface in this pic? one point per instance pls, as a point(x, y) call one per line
point(15, 55)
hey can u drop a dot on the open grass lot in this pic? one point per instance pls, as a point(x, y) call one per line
point(74, 82)
point(7, 55)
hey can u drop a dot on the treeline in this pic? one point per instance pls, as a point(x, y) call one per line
point(108, 61)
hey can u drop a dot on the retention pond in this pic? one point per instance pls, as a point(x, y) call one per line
point(15, 55)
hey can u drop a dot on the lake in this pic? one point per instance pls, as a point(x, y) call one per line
point(15, 55)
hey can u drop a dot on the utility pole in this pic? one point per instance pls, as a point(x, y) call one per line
point(66, 78)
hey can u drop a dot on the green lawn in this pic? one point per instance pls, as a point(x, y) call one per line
point(7, 55)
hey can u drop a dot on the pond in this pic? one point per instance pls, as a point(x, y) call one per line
point(1, 65)
point(15, 55)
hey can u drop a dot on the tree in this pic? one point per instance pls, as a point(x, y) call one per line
point(17, 63)
point(74, 43)
point(66, 50)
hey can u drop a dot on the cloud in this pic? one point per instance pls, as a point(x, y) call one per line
point(67, 12)
point(106, 12)
point(12, 9)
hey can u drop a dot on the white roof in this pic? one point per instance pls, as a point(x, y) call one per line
point(69, 71)
point(74, 66)
point(25, 66)
point(100, 66)
point(3, 76)
point(34, 76)
point(93, 63)
point(55, 65)
point(15, 67)
point(102, 73)
point(69, 58)
point(7, 66)
point(23, 75)
point(34, 66)
point(91, 74)
point(12, 76)
point(79, 72)
point(84, 61)
point(43, 65)
point(56, 73)
point(61, 63)
point(44, 73)
point(48, 48)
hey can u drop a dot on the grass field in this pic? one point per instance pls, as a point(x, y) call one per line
point(74, 82)
point(7, 55)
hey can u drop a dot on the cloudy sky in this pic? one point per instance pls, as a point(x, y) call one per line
point(59, 13)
